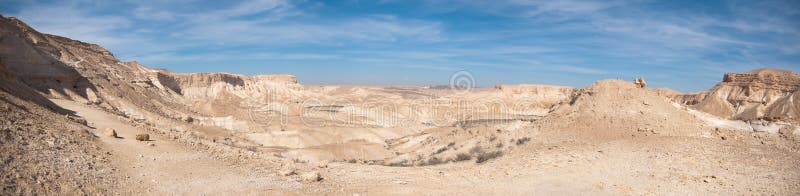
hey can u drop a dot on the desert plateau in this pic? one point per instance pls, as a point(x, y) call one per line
point(77, 120)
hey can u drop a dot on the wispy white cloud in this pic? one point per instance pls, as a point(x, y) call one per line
point(66, 19)
point(149, 29)
point(565, 7)
point(361, 29)
point(147, 12)
point(264, 56)
point(573, 37)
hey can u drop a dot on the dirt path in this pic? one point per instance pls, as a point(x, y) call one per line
point(169, 167)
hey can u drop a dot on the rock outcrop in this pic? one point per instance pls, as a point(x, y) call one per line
point(59, 67)
point(766, 94)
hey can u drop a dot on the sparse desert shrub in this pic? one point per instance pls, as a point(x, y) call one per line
point(143, 137)
point(435, 161)
point(187, 119)
point(475, 150)
point(296, 160)
point(78, 120)
point(521, 141)
point(287, 172)
point(463, 157)
point(440, 150)
point(483, 157)
point(403, 163)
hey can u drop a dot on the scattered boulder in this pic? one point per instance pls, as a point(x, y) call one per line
point(77, 119)
point(111, 133)
point(143, 137)
point(91, 97)
point(313, 176)
point(640, 82)
point(322, 164)
point(187, 119)
point(287, 172)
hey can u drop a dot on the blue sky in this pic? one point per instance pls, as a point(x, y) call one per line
point(684, 45)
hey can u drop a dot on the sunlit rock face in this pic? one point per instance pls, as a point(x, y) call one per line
point(766, 94)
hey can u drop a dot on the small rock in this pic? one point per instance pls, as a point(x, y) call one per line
point(143, 137)
point(639, 82)
point(322, 164)
point(287, 172)
point(313, 176)
point(151, 144)
point(111, 133)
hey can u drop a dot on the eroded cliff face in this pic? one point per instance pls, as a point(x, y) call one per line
point(766, 94)
point(60, 67)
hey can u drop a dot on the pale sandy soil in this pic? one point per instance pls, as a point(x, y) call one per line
point(169, 167)
point(639, 165)
point(669, 165)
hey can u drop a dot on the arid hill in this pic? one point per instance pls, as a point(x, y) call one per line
point(44, 148)
point(613, 109)
point(762, 94)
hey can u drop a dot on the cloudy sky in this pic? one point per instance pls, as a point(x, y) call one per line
point(684, 45)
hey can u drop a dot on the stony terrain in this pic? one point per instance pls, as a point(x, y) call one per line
point(46, 149)
point(72, 113)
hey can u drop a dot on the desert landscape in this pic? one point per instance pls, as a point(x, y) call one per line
point(78, 121)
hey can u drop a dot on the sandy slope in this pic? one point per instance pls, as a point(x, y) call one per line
point(168, 167)
point(651, 165)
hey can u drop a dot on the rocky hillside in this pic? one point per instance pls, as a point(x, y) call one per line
point(57, 157)
point(60, 67)
point(272, 111)
point(762, 94)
